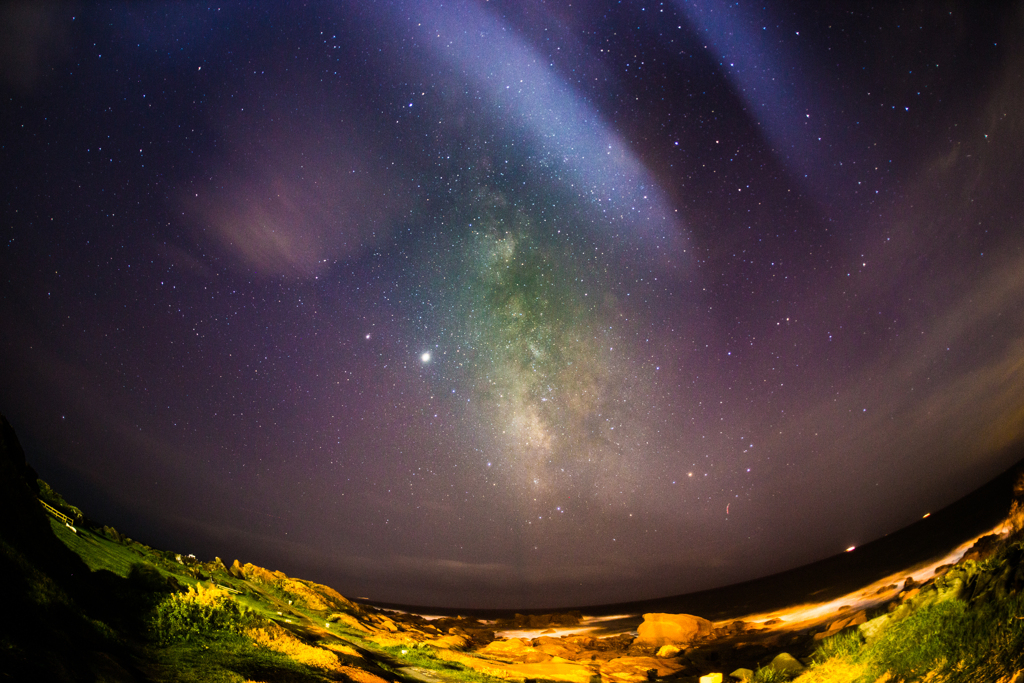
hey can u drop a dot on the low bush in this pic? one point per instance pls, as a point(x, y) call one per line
point(200, 612)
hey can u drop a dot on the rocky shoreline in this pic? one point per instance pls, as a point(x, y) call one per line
point(677, 647)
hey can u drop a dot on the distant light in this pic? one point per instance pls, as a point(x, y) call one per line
point(425, 357)
point(851, 548)
point(927, 515)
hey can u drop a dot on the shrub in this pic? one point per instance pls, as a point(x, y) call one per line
point(199, 612)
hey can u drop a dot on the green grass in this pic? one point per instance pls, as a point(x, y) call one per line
point(98, 552)
point(424, 658)
point(226, 658)
point(962, 644)
point(845, 644)
point(953, 641)
point(921, 642)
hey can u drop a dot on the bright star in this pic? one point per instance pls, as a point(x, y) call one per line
point(425, 357)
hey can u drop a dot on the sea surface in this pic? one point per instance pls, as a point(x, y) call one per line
point(906, 551)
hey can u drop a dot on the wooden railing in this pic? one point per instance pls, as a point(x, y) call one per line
point(68, 522)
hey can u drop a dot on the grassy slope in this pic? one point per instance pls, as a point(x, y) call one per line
point(966, 627)
point(233, 657)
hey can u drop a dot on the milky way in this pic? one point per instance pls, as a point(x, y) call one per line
point(514, 304)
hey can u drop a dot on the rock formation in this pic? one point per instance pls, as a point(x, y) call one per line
point(678, 630)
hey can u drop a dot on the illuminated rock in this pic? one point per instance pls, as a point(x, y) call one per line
point(679, 630)
point(558, 647)
point(840, 624)
point(787, 664)
point(258, 574)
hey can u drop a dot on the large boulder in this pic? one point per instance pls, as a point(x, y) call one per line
point(679, 630)
point(786, 663)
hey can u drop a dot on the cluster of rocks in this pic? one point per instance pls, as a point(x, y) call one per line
point(299, 592)
point(836, 626)
point(677, 646)
point(689, 648)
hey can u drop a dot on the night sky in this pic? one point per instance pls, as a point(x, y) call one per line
point(513, 303)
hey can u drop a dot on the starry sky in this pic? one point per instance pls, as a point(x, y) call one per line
point(513, 303)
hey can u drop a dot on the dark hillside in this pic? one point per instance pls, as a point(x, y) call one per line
point(53, 601)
